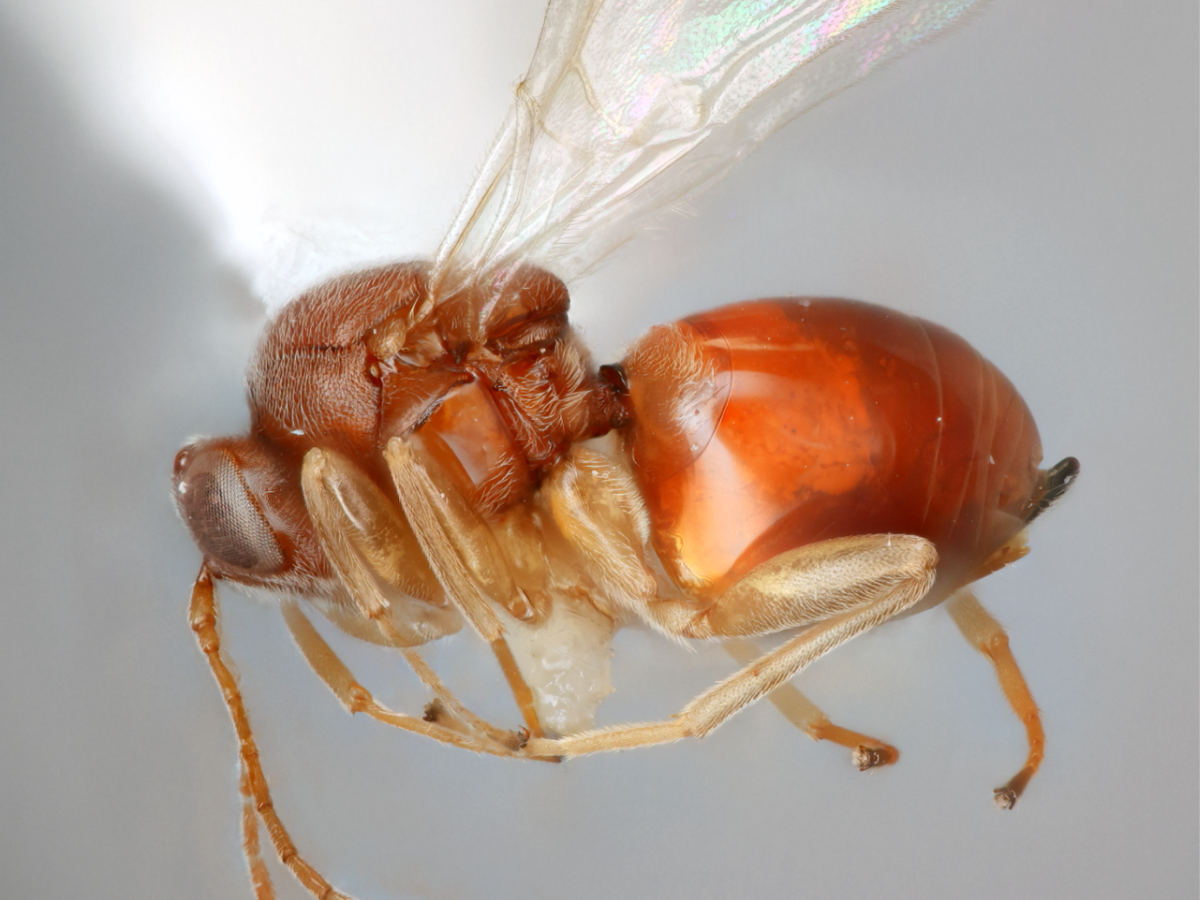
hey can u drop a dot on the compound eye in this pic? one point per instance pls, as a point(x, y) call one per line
point(223, 516)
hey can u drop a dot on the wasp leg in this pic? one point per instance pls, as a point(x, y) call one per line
point(465, 555)
point(202, 614)
point(838, 588)
point(371, 546)
point(356, 698)
point(988, 637)
point(867, 752)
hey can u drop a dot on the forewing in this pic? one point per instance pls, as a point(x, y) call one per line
point(631, 106)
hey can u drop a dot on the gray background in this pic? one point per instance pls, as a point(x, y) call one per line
point(1031, 182)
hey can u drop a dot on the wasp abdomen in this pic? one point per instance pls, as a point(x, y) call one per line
point(766, 425)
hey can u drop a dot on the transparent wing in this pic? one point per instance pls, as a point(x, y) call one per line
point(630, 106)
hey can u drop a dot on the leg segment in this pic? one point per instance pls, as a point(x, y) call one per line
point(202, 614)
point(863, 584)
point(805, 586)
point(372, 546)
point(987, 636)
point(464, 554)
point(597, 509)
point(839, 587)
point(356, 698)
point(866, 752)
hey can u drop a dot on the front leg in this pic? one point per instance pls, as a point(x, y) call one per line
point(356, 698)
point(371, 545)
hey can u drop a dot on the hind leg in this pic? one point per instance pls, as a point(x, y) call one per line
point(988, 637)
point(865, 751)
point(835, 589)
point(838, 589)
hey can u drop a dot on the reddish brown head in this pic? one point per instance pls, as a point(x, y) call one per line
point(241, 501)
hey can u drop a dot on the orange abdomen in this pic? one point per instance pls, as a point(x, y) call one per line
point(771, 424)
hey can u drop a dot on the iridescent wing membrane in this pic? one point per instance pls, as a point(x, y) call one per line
point(631, 106)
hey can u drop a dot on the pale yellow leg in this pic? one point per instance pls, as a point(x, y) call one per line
point(372, 547)
point(988, 637)
point(371, 543)
point(848, 586)
point(838, 588)
point(458, 544)
point(464, 553)
point(865, 751)
point(356, 698)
